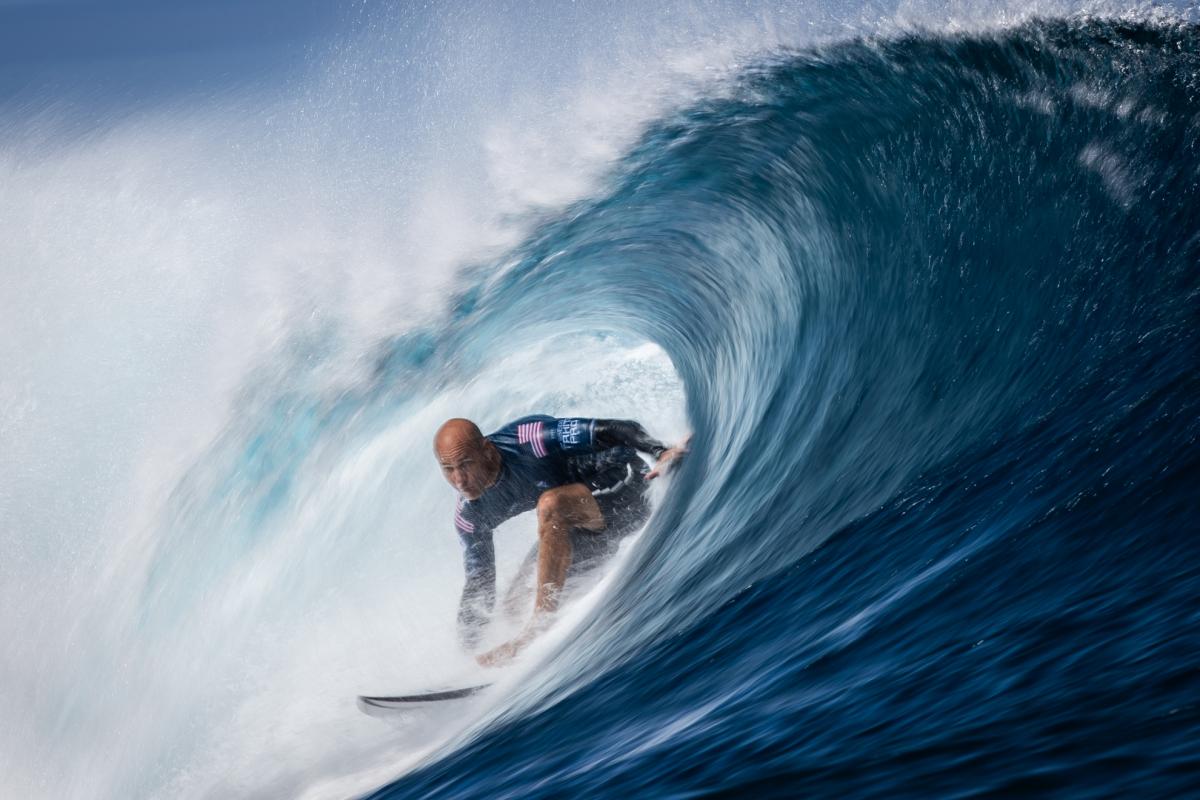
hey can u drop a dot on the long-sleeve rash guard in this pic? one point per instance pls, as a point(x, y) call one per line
point(538, 453)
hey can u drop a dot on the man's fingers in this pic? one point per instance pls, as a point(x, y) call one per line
point(667, 460)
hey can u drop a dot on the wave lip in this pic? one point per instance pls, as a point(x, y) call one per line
point(932, 299)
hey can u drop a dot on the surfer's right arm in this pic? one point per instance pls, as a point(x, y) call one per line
point(479, 588)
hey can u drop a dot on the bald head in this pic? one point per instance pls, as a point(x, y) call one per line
point(469, 462)
point(456, 434)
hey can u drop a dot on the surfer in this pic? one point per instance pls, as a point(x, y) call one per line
point(585, 479)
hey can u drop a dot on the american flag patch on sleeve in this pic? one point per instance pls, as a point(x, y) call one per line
point(461, 522)
point(530, 433)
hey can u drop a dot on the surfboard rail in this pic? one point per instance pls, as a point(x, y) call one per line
point(411, 701)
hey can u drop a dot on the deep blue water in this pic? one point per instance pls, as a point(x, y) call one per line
point(934, 301)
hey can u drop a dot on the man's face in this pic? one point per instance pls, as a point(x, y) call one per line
point(465, 467)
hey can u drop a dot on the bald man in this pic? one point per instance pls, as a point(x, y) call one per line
point(585, 479)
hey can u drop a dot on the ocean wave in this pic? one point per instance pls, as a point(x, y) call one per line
point(932, 300)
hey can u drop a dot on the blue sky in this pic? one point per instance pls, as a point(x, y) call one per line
point(134, 51)
point(88, 60)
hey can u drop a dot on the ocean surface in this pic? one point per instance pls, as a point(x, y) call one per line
point(929, 301)
point(933, 301)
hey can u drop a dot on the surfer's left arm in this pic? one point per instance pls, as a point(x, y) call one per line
point(574, 435)
point(625, 432)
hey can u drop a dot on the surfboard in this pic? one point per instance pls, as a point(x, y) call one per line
point(372, 704)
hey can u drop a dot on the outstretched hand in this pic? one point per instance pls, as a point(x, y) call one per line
point(669, 458)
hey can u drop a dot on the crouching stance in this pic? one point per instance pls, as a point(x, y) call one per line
point(586, 481)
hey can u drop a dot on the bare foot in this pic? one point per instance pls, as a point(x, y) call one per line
point(499, 656)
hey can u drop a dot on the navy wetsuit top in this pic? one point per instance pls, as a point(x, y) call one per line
point(538, 453)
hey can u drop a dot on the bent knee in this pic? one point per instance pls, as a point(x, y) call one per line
point(553, 504)
point(568, 506)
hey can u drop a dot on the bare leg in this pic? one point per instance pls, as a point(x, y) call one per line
point(559, 510)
